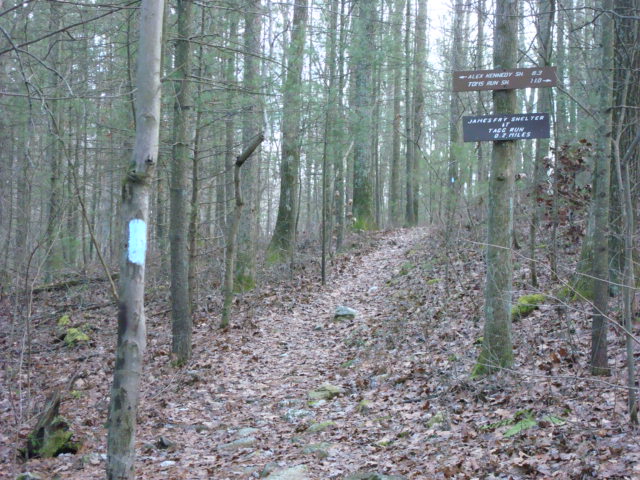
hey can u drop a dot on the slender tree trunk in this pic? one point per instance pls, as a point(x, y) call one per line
point(395, 204)
point(497, 349)
point(455, 112)
point(340, 184)
point(53, 252)
point(251, 126)
point(282, 242)
point(546, 13)
point(410, 215)
point(480, 65)
point(362, 124)
point(194, 216)
point(627, 147)
point(230, 124)
point(181, 324)
point(561, 128)
point(600, 264)
point(131, 344)
point(418, 104)
point(330, 151)
point(232, 235)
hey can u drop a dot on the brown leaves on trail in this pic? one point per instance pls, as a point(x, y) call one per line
point(404, 403)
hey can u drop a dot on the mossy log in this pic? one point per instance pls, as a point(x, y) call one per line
point(51, 435)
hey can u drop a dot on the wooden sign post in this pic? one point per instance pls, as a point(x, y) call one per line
point(483, 128)
point(474, 80)
point(505, 127)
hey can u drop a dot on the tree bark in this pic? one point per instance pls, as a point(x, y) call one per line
point(395, 208)
point(410, 215)
point(497, 350)
point(330, 151)
point(181, 324)
point(417, 110)
point(546, 14)
point(283, 240)
point(600, 262)
point(232, 234)
point(131, 344)
point(362, 124)
point(455, 112)
point(53, 250)
point(252, 119)
point(340, 197)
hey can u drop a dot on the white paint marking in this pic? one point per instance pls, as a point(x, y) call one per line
point(137, 241)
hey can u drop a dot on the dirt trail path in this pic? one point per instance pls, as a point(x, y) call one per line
point(404, 406)
point(261, 381)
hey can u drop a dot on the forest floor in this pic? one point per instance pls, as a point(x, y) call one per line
point(399, 400)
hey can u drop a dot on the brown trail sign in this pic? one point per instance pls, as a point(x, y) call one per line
point(509, 79)
point(505, 127)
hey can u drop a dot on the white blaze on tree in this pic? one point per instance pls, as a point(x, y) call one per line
point(125, 390)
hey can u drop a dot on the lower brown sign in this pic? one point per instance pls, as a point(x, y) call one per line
point(524, 126)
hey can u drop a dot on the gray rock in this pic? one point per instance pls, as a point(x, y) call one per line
point(320, 450)
point(246, 432)
point(317, 403)
point(298, 472)
point(294, 415)
point(245, 442)
point(325, 392)
point(167, 463)
point(268, 468)
point(290, 402)
point(164, 443)
point(321, 427)
point(344, 313)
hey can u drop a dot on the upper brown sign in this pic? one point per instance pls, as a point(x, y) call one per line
point(504, 79)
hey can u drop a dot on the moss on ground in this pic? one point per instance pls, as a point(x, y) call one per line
point(75, 336)
point(527, 304)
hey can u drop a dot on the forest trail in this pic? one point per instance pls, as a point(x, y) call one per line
point(263, 381)
point(399, 402)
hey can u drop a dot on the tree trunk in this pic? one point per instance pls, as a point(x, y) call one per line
point(497, 349)
point(53, 252)
point(330, 151)
point(455, 112)
point(362, 121)
point(340, 184)
point(600, 263)
point(181, 324)
point(481, 171)
point(546, 13)
point(131, 344)
point(410, 215)
point(194, 216)
point(252, 119)
point(232, 234)
point(395, 204)
point(627, 145)
point(283, 240)
point(418, 105)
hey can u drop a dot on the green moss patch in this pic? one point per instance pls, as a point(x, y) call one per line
point(75, 336)
point(527, 304)
point(51, 441)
